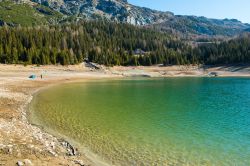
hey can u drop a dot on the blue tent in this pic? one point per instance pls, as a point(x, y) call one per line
point(32, 76)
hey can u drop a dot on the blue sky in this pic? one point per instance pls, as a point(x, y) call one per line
point(239, 9)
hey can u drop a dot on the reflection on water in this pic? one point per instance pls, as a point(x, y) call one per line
point(175, 121)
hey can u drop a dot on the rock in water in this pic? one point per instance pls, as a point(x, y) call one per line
point(71, 150)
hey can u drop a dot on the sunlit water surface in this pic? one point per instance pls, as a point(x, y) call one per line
point(174, 121)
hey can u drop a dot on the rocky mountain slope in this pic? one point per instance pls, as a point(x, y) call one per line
point(122, 11)
point(202, 26)
point(114, 10)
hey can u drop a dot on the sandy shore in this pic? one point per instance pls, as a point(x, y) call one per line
point(29, 145)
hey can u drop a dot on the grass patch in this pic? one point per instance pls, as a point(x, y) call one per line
point(27, 15)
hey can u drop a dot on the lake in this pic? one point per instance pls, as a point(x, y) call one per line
point(171, 121)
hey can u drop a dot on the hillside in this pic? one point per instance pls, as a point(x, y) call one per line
point(24, 14)
point(51, 11)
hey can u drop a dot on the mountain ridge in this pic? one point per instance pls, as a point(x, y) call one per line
point(124, 12)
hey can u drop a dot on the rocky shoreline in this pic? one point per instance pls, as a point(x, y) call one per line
point(26, 144)
point(22, 143)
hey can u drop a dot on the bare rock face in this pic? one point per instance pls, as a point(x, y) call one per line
point(114, 10)
point(122, 11)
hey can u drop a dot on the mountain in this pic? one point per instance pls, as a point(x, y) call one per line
point(202, 26)
point(121, 11)
point(114, 10)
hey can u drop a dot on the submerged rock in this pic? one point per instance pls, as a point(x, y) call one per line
point(71, 150)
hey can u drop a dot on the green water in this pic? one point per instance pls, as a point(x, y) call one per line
point(174, 121)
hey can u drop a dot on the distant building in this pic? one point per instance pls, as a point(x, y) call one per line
point(139, 52)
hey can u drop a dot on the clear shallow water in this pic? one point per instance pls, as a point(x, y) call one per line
point(174, 121)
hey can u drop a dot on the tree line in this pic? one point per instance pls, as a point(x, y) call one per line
point(234, 51)
point(111, 44)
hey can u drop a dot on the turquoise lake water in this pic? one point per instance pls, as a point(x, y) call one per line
point(172, 121)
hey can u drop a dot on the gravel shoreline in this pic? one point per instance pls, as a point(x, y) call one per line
point(22, 143)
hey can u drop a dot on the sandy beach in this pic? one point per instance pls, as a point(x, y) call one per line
point(25, 144)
